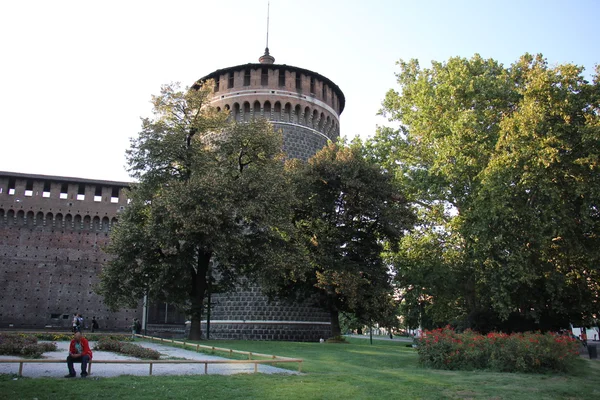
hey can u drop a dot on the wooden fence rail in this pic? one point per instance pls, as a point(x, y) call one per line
point(272, 359)
point(222, 349)
point(152, 362)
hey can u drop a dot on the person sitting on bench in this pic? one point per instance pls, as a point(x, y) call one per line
point(79, 352)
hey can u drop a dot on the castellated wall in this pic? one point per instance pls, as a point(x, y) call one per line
point(303, 104)
point(52, 232)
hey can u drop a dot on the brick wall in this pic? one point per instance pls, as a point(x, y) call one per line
point(47, 274)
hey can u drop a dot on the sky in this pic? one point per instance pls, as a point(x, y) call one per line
point(76, 76)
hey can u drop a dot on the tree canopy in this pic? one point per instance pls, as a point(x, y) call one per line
point(210, 202)
point(347, 210)
point(501, 164)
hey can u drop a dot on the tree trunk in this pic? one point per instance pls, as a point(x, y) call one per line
point(199, 285)
point(335, 322)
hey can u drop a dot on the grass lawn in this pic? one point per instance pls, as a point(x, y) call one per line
point(358, 370)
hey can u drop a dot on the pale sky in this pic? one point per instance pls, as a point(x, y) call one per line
point(76, 76)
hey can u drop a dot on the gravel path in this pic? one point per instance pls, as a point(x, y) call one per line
point(33, 370)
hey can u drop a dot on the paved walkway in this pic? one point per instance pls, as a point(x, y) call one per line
point(33, 370)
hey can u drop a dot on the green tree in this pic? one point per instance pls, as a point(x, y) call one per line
point(347, 210)
point(211, 201)
point(501, 165)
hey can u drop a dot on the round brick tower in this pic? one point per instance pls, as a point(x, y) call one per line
point(304, 105)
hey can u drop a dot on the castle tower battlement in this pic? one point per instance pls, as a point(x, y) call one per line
point(305, 105)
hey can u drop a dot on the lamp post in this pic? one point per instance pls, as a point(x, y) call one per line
point(145, 315)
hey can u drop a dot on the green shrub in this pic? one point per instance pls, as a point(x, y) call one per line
point(32, 350)
point(520, 352)
point(23, 345)
point(109, 344)
point(48, 346)
point(92, 337)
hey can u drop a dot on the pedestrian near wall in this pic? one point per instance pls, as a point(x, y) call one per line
point(95, 326)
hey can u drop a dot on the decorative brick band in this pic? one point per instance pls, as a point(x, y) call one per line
point(270, 95)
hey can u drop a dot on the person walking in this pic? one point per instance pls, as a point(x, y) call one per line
point(95, 326)
point(584, 337)
point(75, 322)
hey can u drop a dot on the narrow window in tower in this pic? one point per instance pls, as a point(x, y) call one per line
point(29, 188)
point(230, 81)
point(324, 93)
point(236, 111)
point(81, 192)
point(98, 194)
point(12, 186)
point(287, 112)
point(312, 85)
point(264, 77)
point(277, 111)
point(114, 196)
point(247, 111)
point(46, 191)
point(217, 82)
point(247, 77)
point(256, 109)
point(281, 77)
point(298, 81)
point(64, 191)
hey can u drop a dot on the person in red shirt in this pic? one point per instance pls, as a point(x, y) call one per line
point(79, 352)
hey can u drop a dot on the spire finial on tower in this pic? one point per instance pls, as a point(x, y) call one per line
point(266, 58)
point(268, 10)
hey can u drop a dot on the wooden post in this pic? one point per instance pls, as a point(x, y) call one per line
point(249, 356)
point(197, 347)
point(90, 367)
point(255, 367)
point(150, 369)
point(300, 366)
point(205, 368)
point(20, 369)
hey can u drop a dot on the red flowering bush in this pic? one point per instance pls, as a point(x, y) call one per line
point(519, 352)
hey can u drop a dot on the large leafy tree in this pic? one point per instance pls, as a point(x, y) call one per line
point(210, 202)
point(502, 166)
point(347, 210)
